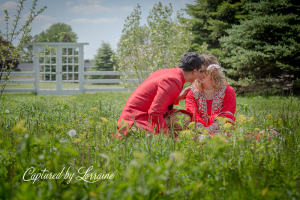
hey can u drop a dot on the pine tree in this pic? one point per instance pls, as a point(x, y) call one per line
point(103, 62)
point(265, 49)
point(65, 38)
point(210, 19)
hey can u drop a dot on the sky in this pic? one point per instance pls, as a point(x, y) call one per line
point(93, 21)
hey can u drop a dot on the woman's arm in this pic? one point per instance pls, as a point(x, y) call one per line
point(191, 106)
point(229, 106)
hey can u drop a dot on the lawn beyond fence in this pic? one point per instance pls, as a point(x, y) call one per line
point(145, 166)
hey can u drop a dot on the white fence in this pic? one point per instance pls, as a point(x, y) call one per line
point(58, 69)
point(69, 90)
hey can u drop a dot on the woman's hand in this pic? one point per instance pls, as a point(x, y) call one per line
point(214, 127)
point(183, 93)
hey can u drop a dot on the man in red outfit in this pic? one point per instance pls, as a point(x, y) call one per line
point(148, 104)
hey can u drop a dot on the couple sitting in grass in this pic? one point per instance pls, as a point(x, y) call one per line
point(150, 106)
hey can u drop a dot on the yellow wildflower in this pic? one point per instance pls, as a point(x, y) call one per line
point(251, 119)
point(59, 127)
point(242, 118)
point(90, 118)
point(93, 194)
point(73, 98)
point(257, 129)
point(227, 126)
point(280, 122)
point(186, 132)
point(192, 124)
point(269, 116)
point(104, 119)
point(77, 140)
point(198, 147)
point(83, 134)
point(19, 127)
point(93, 109)
point(221, 119)
point(205, 132)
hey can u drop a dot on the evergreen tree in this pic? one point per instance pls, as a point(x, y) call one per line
point(265, 49)
point(66, 38)
point(210, 19)
point(103, 62)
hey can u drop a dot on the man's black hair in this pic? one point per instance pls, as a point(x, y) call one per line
point(190, 61)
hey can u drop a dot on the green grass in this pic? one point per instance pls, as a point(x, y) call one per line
point(145, 167)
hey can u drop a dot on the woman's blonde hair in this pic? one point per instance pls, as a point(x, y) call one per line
point(218, 76)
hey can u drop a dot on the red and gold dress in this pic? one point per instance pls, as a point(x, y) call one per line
point(206, 111)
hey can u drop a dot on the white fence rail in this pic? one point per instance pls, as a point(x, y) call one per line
point(85, 81)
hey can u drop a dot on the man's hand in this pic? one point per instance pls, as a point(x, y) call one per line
point(183, 93)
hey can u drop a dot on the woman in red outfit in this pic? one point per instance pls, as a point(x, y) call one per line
point(211, 96)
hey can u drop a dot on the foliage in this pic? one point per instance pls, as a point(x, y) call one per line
point(35, 132)
point(59, 32)
point(210, 19)
point(27, 49)
point(103, 62)
point(9, 55)
point(264, 49)
point(157, 45)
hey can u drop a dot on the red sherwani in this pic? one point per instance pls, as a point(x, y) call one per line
point(205, 111)
point(152, 99)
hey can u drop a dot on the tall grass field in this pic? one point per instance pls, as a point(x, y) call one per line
point(64, 147)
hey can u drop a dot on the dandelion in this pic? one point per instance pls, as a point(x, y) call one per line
point(72, 133)
point(176, 156)
point(104, 119)
point(62, 140)
point(251, 119)
point(54, 148)
point(93, 109)
point(77, 140)
point(228, 126)
point(269, 116)
point(148, 135)
point(59, 127)
point(7, 111)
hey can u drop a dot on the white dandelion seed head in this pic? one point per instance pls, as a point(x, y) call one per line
point(72, 133)
point(62, 140)
point(54, 148)
point(148, 135)
point(7, 111)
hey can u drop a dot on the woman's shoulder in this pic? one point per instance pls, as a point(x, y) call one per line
point(229, 89)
